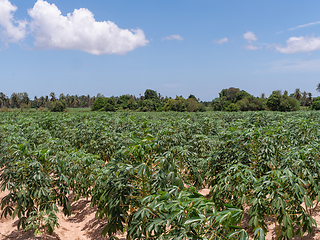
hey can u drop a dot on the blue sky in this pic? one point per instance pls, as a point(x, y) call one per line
point(176, 47)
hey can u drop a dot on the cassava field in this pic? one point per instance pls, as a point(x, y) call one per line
point(142, 172)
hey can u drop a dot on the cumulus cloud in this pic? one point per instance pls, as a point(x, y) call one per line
point(252, 47)
point(250, 36)
point(221, 41)
point(300, 44)
point(11, 30)
point(79, 30)
point(173, 37)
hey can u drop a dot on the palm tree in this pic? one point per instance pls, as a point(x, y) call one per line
point(62, 97)
point(309, 99)
point(318, 87)
point(297, 94)
point(14, 100)
point(42, 101)
point(303, 100)
point(53, 97)
point(3, 98)
point(25, 98)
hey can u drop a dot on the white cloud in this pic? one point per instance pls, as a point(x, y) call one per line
point(304, 25)
point(252, 47)
point(79, 30)
point(300, 44)
point(300, 26)
point(250, 36)
point(173, 37)
point(12, 30)
point(221, 41)
point(292, 65)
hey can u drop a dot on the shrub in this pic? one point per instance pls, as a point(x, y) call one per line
point(58, 106)
point(98, 104)
point(316, 105)
point(4, 109)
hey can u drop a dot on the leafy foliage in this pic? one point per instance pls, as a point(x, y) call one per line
point(142, 171)
point(233, 100)
point(57, 106)
point(282, 103)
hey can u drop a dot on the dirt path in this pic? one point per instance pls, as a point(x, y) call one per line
point(81, 225)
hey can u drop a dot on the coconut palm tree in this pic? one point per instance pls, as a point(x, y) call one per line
point(297, 94)
point(53, 97)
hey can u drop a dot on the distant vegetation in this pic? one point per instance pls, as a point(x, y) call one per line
point(230, 100)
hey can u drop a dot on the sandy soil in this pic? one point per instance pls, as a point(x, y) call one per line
point(82, 225)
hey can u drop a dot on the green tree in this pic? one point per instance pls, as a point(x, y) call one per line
point(2, 99)
point(177, 105)
point(192, 105)
point(98, 104)
point(110, 104)
point(229, 94)
point(149, 105)
point(283, 103)
point(232, 108)
point(15, 103)
point(62, 97)
point(191, 96)
point(150, 94)
point(42, 101)
point(297, 94)
point(217, 104)
point(53, 97)
point(241, 95)
point(274, 100)
point(25, 98)
point(316, 105)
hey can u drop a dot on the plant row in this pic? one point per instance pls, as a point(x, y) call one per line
point(143, 171)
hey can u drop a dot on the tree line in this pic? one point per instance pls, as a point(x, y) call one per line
point(22, 100)
point(230, 99)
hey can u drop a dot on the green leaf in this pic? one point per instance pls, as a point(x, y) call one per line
point(259, 234)
point(193, 220)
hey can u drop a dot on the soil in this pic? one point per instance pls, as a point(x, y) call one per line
point(82, 225)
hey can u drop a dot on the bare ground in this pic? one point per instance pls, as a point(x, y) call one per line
point(81, 225)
